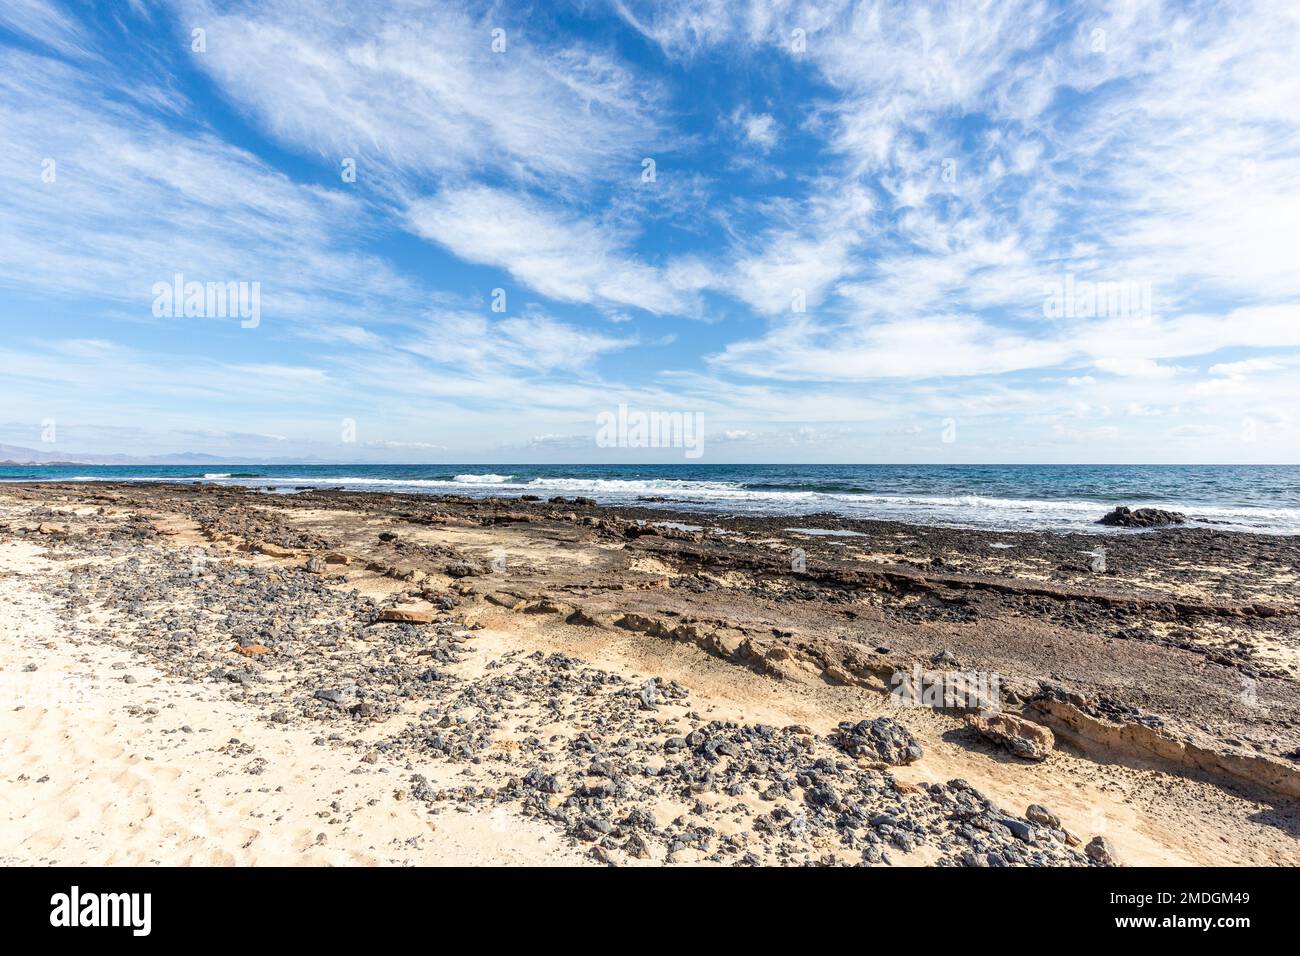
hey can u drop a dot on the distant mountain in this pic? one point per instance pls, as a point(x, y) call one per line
point(14, 455)
point(17, 455)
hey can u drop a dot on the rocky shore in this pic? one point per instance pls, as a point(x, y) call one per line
point(656, 687)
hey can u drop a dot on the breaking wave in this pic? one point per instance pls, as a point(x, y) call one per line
point(1070, 499)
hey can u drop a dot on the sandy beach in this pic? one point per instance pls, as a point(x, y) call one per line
point(204, 675)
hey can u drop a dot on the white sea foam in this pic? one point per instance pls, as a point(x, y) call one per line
point(974, 511)
point(482, 479)
point(827, 532)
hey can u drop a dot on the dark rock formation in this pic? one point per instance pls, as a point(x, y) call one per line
point(1123, 517)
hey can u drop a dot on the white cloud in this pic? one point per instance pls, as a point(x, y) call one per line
point(132, 203)
point(1135, 367)
point(554, 252)
point(1172, 158)
point(950, 282)
point(935, 347)
point(417, 88)
point(532, 341)
point(759, 129)
point(807, 249)
point(1246, 367)
point(681, 27)
point(45, 23)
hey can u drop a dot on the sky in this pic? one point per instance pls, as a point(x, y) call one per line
point(828, 231)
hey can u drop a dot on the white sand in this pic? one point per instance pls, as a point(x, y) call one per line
point(96, 770)
point(91, 776)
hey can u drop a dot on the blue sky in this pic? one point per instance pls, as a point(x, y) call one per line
point(850, 249)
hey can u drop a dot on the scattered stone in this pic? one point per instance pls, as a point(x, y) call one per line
point(274, 550)
point(1043, 817)
point(594, 754)
point(464, 569)
point(1019, 829)
point(649, 694)
point(636, 847)
point(1101, 851)
point(883, 740)
point(337, 695)
point(409, 615)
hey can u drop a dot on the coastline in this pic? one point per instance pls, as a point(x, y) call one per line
point(1170, 678)
point(1263, 500)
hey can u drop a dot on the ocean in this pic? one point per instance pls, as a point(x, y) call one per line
point(1259, 498)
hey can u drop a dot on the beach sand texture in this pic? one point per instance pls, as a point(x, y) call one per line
point(206, 676)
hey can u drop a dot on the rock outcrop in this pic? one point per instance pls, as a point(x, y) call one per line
point(1124, 517)
point(1021, 737)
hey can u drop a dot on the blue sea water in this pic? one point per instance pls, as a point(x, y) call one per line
point(1261, 498)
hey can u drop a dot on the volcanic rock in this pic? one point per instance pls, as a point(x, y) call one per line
point(883, 739)
point(1123, 517)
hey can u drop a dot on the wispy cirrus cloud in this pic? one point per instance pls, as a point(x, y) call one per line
point(419, 88)
point(107, 200)
point(533, 341)
point(560, 255)
point(1006, 142)
point(866, 220)
point(46, 24)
